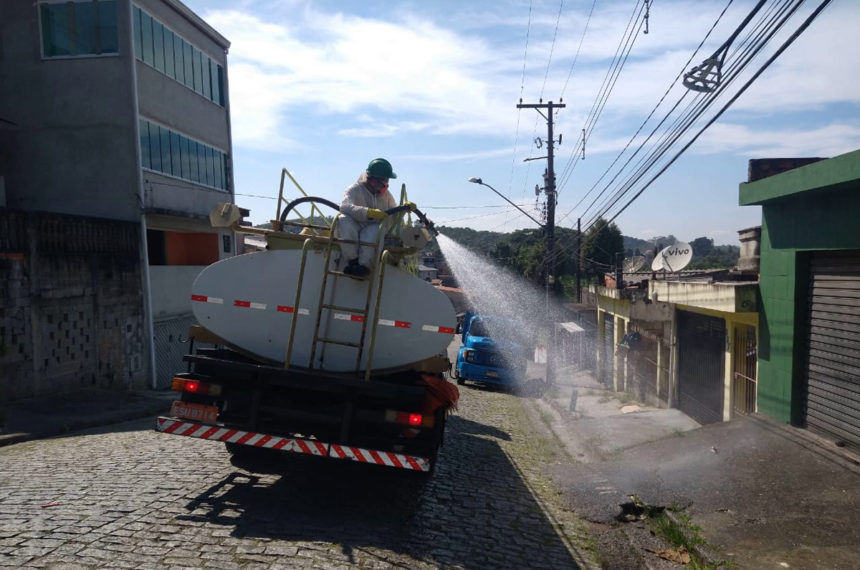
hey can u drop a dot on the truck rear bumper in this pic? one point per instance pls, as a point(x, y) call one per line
point(315, 447)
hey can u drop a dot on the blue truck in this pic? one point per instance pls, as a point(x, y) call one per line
point(489, 353)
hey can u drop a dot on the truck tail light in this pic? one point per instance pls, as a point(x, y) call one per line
point(195, 387)
point(408, 418)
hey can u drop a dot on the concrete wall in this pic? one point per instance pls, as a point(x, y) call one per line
point(812, 208)
point(74, 144)
point(71, 305)
point(73, 147)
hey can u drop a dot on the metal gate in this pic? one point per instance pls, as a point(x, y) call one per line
point(701, 348)
point(744, 358)
point(833, 347)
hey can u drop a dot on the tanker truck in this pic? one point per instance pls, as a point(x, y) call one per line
point(293, 356)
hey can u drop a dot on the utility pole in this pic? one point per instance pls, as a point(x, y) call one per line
point(549, 188)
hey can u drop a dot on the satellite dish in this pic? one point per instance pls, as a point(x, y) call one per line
point(634, 263)
point(673, 258)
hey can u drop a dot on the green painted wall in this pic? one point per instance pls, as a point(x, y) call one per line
point(813, 208)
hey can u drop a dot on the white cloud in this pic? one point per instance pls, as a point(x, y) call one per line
point(826, 141)
point(408, 73)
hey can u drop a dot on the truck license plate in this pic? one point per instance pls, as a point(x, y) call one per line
point(197, 412)
point(492, 374)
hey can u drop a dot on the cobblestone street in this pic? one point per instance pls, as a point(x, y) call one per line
point(128, 496)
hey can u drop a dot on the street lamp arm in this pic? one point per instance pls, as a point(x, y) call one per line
point(482, 183)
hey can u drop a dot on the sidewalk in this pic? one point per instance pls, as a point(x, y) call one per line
point(35, 418)
point(765, 494)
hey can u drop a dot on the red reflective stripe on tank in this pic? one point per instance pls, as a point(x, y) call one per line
point(209, 432)
point(263, 441)
point(172, 427)
point(285, 309)
point(280, 443)
point(238, 303)
point(375, 456)
point(199, 298)
point(228, 435)
point(303, 446)
point(245, 437)
point(339, 451)
point(393, 458)
point(190, 429)
point(448, 330)
point(414, 464)
point(402, 324)
point(321, 447)
point(359, 455)
point(357, 318)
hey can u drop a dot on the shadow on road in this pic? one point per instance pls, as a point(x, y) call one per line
point(476, 511)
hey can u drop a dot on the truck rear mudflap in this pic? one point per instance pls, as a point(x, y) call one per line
point(293, 444)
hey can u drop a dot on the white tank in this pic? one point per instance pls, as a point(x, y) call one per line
point(249, 300)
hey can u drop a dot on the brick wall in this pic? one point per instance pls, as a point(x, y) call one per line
point(71, 304)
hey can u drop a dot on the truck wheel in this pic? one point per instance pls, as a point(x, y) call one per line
point(456, 375)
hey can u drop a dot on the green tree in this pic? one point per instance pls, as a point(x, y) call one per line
point(702, 246)
point(601, 243)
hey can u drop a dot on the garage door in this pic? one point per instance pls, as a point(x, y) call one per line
point(701, 361)
point(833, 347)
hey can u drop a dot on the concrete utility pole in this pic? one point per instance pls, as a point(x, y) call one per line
point(549, 188)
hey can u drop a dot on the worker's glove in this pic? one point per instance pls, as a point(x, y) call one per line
point(412, 206)
point(374, 214)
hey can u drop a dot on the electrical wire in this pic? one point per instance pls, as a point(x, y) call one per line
point(762, 34)
point(648, 118)
point(609, 80)
point(746, 85)
point(578, 49)
point(702, 103)
point(552, 48)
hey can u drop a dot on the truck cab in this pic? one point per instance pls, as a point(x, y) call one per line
point(488, 355)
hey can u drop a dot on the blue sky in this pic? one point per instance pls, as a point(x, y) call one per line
point(321, 87)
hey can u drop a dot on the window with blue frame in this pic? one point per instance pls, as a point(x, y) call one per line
point(166, 151)
point(157, 45)
point(79, 28)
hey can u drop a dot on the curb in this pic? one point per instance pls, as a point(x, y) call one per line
point(153, 409)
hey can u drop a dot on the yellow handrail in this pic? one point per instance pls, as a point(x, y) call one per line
point(305, 248)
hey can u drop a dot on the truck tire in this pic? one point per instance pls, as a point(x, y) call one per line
point(456, 375)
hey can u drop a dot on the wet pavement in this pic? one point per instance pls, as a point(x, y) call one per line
point(765, 495)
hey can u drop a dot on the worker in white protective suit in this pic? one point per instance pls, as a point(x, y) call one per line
point(363, 207)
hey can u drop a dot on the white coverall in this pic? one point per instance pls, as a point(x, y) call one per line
point(354, 225)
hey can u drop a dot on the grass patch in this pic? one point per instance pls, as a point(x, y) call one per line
point(679, 530)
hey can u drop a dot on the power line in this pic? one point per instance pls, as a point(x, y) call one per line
point(648, 118)
point(579, 47)
point(761, 70)
point(702, 102)
point(606, 87)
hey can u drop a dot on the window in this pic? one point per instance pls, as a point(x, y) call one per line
point(179, 68)
point(144, 144)
point(169, 57)
point(157, 45)
point(169, 152)
point(79, 28)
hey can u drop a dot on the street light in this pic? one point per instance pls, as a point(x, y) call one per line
point(482, 183)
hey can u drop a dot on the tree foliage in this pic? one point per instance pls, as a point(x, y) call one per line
point(602, 242)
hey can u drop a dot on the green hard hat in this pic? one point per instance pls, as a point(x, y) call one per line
point(380, 168)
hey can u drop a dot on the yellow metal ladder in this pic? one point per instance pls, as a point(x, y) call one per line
point(375, 277)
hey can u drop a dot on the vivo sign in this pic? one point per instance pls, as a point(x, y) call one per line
point(673, 258)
